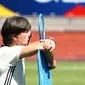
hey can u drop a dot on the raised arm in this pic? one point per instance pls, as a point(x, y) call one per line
point(31, 49)
point(46, 46)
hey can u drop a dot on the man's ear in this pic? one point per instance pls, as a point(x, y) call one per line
point(14, 38)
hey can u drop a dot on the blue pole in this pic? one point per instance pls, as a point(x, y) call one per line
point(44, 74)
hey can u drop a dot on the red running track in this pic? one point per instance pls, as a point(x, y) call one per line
point(70, 45)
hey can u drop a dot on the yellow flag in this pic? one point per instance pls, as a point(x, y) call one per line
point(5, 12)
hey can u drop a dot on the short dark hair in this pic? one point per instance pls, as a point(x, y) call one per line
point(13, 26)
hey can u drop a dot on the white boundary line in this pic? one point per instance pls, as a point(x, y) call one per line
point(70, 68)
point(61, 68)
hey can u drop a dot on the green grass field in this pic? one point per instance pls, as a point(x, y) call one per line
point(66, 73)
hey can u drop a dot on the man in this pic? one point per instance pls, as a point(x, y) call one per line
point(16, 34)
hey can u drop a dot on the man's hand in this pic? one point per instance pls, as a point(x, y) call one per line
point(49, 45)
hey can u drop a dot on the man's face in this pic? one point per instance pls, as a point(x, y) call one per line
point(23, 38)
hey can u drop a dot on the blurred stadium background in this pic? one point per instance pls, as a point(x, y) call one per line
point(65, 21)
